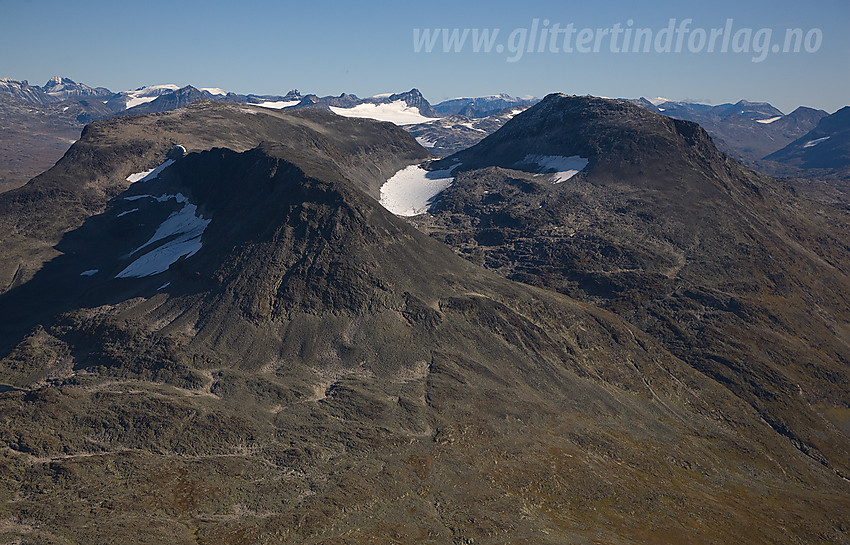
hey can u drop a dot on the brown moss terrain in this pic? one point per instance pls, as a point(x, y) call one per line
point(322, 372)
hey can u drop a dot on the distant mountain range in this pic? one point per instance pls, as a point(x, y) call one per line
point(747, 131)
point(482, 106)
point(46, 118)
point(827, 146)
point(55, 90)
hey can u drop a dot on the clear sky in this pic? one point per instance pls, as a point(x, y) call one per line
point(367, 48)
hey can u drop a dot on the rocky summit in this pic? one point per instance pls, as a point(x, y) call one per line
point(240, 345)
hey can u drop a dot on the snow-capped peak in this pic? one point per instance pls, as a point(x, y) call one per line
point(657, 101)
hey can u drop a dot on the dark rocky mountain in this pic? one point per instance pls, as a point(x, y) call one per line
point(728, 269)
point(481, 106)
point(756, 111)
point(95, 170)
point(172, 96)
point(344, 100)
point(171, 101)
point(291, 96)
point(747, 131)
point(412, 98)
point(827, 146)
point(451, 134)
point(318, 371)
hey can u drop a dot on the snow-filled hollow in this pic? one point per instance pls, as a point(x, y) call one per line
point(411, 190)
point(397, 112)
point(136, 101)
point(769, 120)
point(815, 142)
point(560, 167)
point(277, 105)
point(182, 231)
point(148, 175)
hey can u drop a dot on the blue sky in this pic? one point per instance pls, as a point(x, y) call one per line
point(367, 48)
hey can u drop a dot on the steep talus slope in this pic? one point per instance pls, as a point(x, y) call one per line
point(95, 169)
point(318, 371)
point(727, 268)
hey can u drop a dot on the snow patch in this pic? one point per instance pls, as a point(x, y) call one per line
point(771, 120)
point(142, 91)
point(143, 95)
point(811, 143)
point(184, 230)
point(90, 272)
point(658, 100)
point(411, 190)
point(424, 142)
point(562, 168)
point(397, 112)
point(148, 175)
point(278, 105)
point(215, 91)
point(135, 101)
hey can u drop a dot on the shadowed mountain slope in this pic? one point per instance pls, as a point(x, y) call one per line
point(96, 168)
